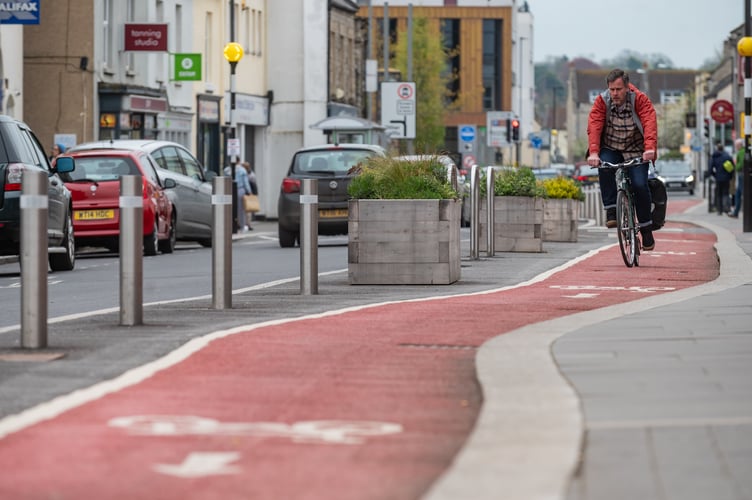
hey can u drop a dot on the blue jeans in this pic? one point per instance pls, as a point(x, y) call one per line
point(639, 176)
point(738, 194)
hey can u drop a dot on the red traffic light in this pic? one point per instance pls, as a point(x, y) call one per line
point(515, 130)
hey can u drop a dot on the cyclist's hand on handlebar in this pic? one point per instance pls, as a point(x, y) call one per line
point(648, 155)
point(594, 160)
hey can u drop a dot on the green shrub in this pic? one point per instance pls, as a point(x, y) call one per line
point(517, 182)
point(562, 187)
point(389, 178)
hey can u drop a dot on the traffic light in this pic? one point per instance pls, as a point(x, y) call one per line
point(509, 130)
point(515, 130)
point(706, 127)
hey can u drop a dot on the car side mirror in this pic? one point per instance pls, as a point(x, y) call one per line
point(209, 175)
point(64, 164)
point(169, 183)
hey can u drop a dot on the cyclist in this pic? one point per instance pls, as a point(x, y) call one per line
point(622, 125)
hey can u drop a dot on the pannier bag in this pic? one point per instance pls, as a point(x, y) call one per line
point(660, 200)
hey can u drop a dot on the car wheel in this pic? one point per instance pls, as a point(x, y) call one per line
point(168, 245)
point(286, 238)
point(65, 261)
point(691, 192)
point(151, 242)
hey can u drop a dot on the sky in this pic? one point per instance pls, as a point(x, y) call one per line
point(687, 31)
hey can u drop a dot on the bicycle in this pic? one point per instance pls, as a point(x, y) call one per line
point(627, 228)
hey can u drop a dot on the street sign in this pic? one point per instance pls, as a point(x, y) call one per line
point(466, 136)
point(467, 133)
point(468, 160)
point(536, 141)
point(187, 67)
point(496, 125)
point(398, 109)
point(722, 111)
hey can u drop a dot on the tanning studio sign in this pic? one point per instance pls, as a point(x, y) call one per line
point(19, 12)
point(146, 37)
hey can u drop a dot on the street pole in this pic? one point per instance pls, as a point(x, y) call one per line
point(747, 170)
point(233, 52)
point(518, 144)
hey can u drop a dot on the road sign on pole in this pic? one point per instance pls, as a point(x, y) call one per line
point(496, 124)
point(398, 109)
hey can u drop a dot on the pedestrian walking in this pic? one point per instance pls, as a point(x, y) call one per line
point(739, 143)
point(721, 168)
point(254, 189)
point(243, 188)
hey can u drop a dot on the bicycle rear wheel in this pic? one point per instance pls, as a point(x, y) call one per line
point(626, 229)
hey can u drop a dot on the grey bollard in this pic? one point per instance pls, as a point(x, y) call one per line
point(131, 250)
point(222, 227)
point(474, 212)
point(490, 184)
point(34, 253)
point(309, 237)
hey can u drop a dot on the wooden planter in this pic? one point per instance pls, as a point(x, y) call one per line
point(404, 242)
point(518, 224)
point(560, 219)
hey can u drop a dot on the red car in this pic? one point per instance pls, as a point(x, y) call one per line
point(95, 188)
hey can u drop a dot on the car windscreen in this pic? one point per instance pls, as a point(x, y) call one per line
point(674, 167)
point(329, 161)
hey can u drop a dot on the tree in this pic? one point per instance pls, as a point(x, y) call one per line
point(429, 64)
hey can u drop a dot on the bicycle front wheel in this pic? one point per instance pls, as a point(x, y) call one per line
point(626, 228)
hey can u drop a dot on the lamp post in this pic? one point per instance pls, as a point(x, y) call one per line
point(233, 52)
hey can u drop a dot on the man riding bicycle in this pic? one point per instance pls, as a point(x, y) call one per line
point(622, 125)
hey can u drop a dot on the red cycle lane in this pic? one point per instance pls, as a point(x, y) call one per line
point(371, 403)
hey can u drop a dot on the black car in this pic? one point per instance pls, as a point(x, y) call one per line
point(330, 164)
point(193, 194)
point(20, 151)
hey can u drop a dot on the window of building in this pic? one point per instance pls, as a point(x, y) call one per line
point(450, 36)
point(671, 96)
point(130, 57)
point(208, 48)
point(492, 44)
point(592, 95)
point(107, 35)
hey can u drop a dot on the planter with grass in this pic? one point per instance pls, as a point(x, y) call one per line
point(561, 210)
point(404, 224)
point(518, 212)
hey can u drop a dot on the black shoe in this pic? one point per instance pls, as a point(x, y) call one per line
point(648, 242)
point(611, 217)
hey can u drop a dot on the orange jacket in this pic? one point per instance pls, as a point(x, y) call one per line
point(643, 113)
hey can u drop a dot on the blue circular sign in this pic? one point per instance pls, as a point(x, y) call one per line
point(467, 133)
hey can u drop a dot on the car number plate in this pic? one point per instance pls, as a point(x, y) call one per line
point(333, 212)
point(94, 214)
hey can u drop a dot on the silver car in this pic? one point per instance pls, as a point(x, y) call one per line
point(677, 175)
point(192, 195)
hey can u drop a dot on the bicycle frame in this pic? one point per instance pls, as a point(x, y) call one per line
point(628, 229)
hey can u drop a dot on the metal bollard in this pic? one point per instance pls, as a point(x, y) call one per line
point(131, 250)
point(490, 184)
point(474, 212)
point(34, 254)
point(222, 227)
point(309, 237)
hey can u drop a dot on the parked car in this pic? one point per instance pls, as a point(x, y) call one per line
point(677, 175)
point(546, 173)
point(191, 198)
point(95, 187)
point(585, 174)
point(331, 165)
point(20, 150)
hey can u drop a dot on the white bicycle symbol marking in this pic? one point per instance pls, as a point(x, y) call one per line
point(313, 431)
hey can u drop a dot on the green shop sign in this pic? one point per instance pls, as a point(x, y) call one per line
point(187, 67)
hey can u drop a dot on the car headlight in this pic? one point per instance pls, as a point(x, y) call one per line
point(661, 178)
point(690, 178)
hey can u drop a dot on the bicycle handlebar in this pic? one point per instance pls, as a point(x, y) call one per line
point(627, 163)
